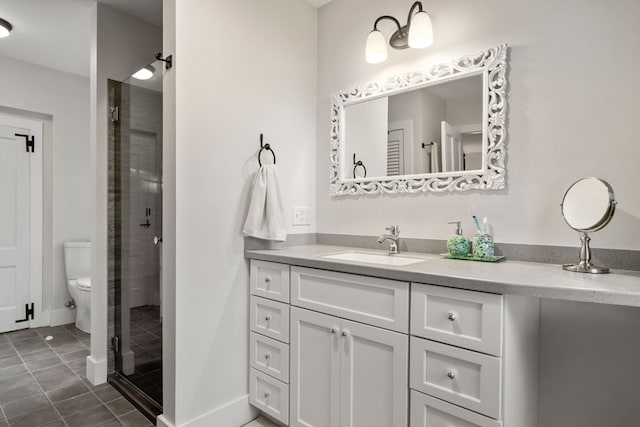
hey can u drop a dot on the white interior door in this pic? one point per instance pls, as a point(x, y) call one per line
point(452, 159)
point(20, 222)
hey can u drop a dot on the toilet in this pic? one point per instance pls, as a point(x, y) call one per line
point(77, 265)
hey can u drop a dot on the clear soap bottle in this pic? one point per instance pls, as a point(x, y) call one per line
point(458, 245)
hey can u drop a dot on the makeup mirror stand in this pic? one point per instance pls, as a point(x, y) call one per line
point(585, 266)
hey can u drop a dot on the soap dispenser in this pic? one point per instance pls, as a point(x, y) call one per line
point(458, 245)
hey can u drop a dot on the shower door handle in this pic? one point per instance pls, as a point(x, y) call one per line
point(157, 240)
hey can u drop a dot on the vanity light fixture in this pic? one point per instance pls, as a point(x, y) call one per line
point(5, 28)
point(417, 34)
point(144, 73)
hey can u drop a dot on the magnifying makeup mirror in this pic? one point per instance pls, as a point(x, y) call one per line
point(587, 206)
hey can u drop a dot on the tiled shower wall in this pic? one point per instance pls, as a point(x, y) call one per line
point(135, 197)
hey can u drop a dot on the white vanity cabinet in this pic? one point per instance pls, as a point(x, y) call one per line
point(331, 349)
point(473, 358)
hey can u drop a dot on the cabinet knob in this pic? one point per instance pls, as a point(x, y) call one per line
point(267, 393)
point(267, 355)
point(334, 330)
point(451, 374)
point(451, 316)
point(345, 333)
point(268, 279)
point(267, 317)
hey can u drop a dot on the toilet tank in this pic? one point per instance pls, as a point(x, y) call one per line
point(77, 259)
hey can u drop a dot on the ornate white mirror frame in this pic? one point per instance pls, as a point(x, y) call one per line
point(492, 64)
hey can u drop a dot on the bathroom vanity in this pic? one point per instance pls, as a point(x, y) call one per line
point(340, 342)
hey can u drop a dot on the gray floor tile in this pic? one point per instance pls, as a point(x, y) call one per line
point(70, 347)
point(83, 402)
point(17, 387)
point(25, 342)
point(134, 419)
point(22, 334)
point(67, 391)
point(58, 423)
point(106, 393)
point(23, 406)
point(75, 355)
point(7, 351)
point(3, 423)
point(50, 330)
point(55, 377)
point(49, 363)
point(90, 417)
point(36, 418)
point(7, 362)
point(32, 348)
point(13, 371)
point(111, 423)
point(120, 406)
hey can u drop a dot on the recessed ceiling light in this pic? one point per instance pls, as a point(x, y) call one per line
point(5, 28)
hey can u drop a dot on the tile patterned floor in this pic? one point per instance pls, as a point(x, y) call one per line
point(43, 383)
point(146, 344)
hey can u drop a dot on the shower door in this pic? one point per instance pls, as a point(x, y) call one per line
point(135, 227)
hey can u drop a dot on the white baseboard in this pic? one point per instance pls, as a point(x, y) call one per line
point(233, 414)
point(62, 316)
point(162, 421)
point(96, 370)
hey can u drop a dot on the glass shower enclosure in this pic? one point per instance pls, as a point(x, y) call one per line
point(135, 227)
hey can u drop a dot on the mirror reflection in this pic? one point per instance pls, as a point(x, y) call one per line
point(437, 128)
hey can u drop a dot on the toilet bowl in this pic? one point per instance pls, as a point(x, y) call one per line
point(77, 265)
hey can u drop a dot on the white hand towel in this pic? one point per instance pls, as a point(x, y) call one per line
point(265, 219)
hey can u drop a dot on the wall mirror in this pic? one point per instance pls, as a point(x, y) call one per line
point(437, 130)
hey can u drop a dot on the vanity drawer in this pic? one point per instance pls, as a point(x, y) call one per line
point(270, 280)
point(270, 318)
point(269, 356)
point(269, 395)
point(466, 378)
point(377, 302)
point(459, 317)
point(427, 411)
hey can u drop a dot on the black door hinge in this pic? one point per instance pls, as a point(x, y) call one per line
point(30, 142)
point(28, 312)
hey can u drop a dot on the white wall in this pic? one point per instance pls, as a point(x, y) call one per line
point(367, 137)
point(63, 98)
point(571, 100)
point(120, 45)
point(231, 86)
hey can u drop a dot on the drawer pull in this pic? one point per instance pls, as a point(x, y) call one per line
point(451, 374)
point(267, 317)
point(267, 355)
point(268, 279)
point(451, 316)
point(334, 330)
point(267, 393)
point(345, 333)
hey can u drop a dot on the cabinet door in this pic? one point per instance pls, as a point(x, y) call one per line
point(374, 376)
point(315, 369)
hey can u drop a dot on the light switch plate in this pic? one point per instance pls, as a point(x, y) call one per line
point(301, 215)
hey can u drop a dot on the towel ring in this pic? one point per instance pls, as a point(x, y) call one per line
point(355, 166)
point(265, 147)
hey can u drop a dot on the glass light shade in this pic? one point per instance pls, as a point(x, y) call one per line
point(376, 51)
point(5, 28)
point(420, 31)
point(143, 73)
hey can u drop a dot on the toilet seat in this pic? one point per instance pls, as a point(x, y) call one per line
point(84, 283)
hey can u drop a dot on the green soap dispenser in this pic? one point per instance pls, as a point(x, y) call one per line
point(458, 245)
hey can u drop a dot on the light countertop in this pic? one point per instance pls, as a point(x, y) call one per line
point(619, 287)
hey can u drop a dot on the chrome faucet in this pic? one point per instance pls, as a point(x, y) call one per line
point(393, 238)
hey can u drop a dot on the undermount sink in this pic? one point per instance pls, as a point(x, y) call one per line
point(397, 260)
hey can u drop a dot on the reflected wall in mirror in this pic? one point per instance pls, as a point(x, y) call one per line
point(441, 130)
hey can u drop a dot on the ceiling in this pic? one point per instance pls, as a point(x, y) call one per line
point(56, 33)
